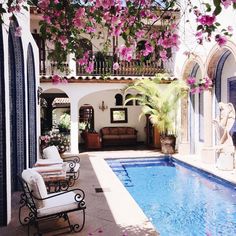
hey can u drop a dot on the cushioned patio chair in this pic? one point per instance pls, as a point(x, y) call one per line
point(43, 206)
point(51, 157)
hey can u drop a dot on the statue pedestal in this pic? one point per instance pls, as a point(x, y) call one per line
point(225, 161)
point(208, 155)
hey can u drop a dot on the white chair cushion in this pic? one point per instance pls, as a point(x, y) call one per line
point(50, 168)
point(54, 205)
point(51, 152)
point(76, 168)
point(48, 162)
point(36, 184)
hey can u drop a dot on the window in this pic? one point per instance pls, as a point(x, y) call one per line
point(119, 99)
point(86, 117)
point(129, 103)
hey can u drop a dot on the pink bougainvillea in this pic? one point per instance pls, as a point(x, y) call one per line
point(198, 86)
point(65, 23)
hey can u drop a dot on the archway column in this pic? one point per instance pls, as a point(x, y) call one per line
point(208, 152)
point(184, 145)
point(74, 127)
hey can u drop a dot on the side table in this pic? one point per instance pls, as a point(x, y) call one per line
point(92, 141)
point(55, 181)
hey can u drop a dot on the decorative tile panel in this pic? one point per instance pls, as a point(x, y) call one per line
point(3, 194)
point(17, 106)
point(31, 87)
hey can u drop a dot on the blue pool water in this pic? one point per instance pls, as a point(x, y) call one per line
point(179, 200)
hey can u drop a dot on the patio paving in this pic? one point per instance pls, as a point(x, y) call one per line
point(112, 212)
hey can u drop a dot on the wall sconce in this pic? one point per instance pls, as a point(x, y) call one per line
point(103, 107)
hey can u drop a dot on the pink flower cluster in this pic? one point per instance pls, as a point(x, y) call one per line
point(56, 79)
point(64, 22)
point(198, 86)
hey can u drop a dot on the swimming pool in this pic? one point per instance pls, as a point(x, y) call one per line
point(180, 200)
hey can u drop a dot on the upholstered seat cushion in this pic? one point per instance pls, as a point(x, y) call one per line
point(127, 136)
point(57, 204)
point(50, 168)
point(51, 153)
point(111, 136)
point(48, 162)
point(36, 185)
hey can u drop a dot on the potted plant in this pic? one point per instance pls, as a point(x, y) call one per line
point(160, 102)
point(59, 140)
point(64, 123)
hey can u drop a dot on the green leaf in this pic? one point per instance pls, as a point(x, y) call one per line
point(199, 27)
point(217, 3)
point(217, 24)
point(208, 7)
point(217, 10)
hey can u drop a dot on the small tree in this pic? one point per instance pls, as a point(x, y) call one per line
point(159, 102)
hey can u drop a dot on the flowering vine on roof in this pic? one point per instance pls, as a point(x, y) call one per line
point(65, 22)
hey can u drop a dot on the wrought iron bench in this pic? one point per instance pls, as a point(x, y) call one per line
point(42, 206)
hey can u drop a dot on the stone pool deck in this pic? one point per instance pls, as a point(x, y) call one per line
point(112, 212)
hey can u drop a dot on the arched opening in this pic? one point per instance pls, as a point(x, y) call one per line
point(3, 164)
point(31, 89)
point(17, 106)
point(218, 74)
point(55, 119)
point(86, 118)
point(129, 103)
point(118, 100)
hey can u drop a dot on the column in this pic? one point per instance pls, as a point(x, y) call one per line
point(208, 152)
point(74, 130)
point(184, 146)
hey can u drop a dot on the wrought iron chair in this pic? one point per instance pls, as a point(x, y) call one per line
point(51, 156)
point(43, 206)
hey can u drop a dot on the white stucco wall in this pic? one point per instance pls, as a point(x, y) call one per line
point(102, 118)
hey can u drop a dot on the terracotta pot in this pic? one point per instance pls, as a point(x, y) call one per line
point(168, 144)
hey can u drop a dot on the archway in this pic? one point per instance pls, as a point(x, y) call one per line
point(31, 89)
point(192, 108)
point(196, 113)
point(55, 119)
point(222, 68)
point(3, 166)
point(17, 105)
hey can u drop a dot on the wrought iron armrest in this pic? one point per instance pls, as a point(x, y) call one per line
point(72, 164)
point(71, 158)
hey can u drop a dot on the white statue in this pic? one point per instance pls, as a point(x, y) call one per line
point(225, 150)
